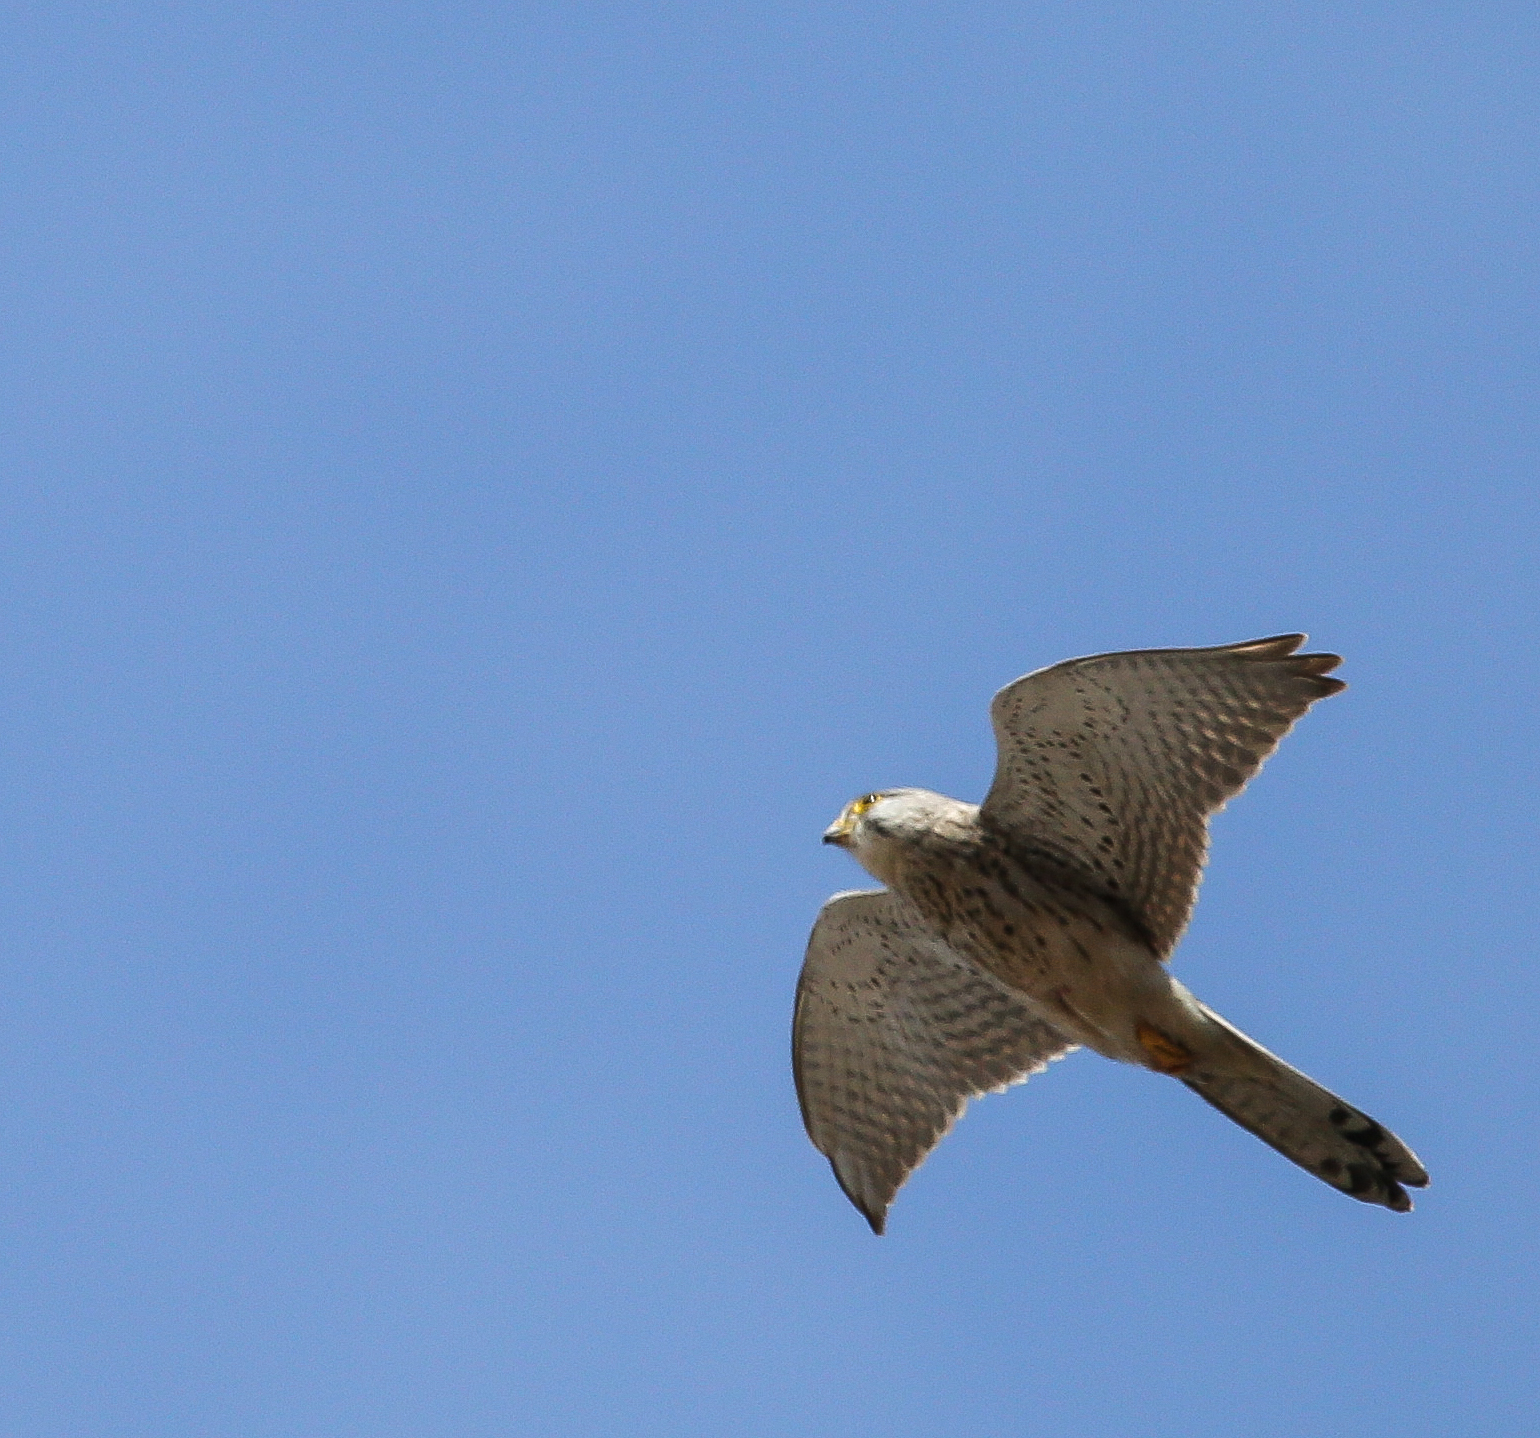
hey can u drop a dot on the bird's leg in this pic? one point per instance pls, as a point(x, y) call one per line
point(1167, 1056)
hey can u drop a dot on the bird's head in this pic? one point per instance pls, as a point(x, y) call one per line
point(853, 824)
point(876, 827)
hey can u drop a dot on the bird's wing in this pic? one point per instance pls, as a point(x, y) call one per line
point(1111, 765)
point(894, 1033)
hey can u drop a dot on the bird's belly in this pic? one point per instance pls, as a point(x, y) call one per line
point(1072, 958)
point(1099, 987)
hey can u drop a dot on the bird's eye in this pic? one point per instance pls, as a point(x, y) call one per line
point(869, 800)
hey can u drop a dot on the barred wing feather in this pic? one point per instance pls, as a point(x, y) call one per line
point(1110, 766)
point(894, 1033)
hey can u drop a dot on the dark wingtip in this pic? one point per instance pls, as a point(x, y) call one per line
point(1317, 667)
point(1274, 646)
point(878, 1217)
point(1283, 647)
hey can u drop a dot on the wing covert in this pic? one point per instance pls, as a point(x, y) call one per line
point(1113, 763)
point(893, 1034)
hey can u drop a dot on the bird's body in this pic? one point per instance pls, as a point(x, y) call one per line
point(1013, 932)
point(1070, 953)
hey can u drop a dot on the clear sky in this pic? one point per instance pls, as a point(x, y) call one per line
point(481, 485)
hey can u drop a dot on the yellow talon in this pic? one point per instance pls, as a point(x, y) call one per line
point(1166, 1055)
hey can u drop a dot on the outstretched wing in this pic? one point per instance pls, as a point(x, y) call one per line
point(1112, 764)
point(894, 1033)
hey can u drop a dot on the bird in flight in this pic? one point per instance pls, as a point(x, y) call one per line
point(1014, 931)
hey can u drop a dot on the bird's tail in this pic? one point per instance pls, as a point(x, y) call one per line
point(1316, 1129)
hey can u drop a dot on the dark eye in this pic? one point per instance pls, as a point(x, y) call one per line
point(869, 800)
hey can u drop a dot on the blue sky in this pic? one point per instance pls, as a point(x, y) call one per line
point(484, 484)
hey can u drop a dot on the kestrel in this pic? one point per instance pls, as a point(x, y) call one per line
point(1015, 931)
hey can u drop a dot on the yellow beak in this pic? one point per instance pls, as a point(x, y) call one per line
point(839, 832)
